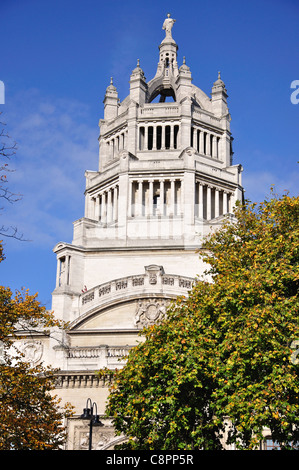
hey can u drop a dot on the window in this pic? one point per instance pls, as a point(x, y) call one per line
point(159, 137)
point(64, 271)
point(176, 131)
point(270, 445)
point(141, 138)
point(167, 137)
point(150, 138)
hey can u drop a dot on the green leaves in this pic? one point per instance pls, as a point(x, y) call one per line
point(225, 351)
point(31, 418)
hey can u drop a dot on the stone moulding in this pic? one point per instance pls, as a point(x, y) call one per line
point(133, 286)
point(84, 379)
point(90, 352)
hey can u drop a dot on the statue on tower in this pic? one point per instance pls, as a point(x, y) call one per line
point(167, 25)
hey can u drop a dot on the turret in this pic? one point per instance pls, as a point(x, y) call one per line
point(138, 86)
point(184, 82)
point(110, 102)
point(219, 98)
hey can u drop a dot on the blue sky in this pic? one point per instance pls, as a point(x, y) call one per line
point(56, 61)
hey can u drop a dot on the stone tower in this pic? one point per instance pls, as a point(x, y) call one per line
point(165, 179)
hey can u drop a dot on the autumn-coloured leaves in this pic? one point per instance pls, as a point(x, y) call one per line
point(218, 370)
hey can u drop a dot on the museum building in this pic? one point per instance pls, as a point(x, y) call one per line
point(165, 179)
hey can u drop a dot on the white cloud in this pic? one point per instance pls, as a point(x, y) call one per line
point(55, 146)
point(257, 184)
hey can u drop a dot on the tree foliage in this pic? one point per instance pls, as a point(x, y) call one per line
point(218, 370)
point(30, 415)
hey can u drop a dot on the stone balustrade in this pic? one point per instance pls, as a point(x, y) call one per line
point(133, 286)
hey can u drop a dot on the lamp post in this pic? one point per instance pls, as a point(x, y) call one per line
point(94, 419)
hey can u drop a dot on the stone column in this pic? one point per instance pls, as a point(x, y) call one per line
point(209, 203)
point(171, 137)
point(208, 144)
point(224, 202)
point(125, 139)
point(130, 199)
point(103, 208)
point(172, 197)
point(163, 136)
point(201, 145)
point(154, 137)
point(216, 202)
point(194, 130)
point(145, 137)
point(182, 199)
point(109, 207)
point(115, 203)
point(178, 138)
point(162, 197)
point(200, 201)
point(140, 194)
point(122, 204)
point(214, 147)
point(151, 198)
point(97, 208)
point(58, 273)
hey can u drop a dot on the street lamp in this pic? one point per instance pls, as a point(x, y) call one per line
point(94, 419)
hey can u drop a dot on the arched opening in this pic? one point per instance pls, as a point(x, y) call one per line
point(162, 95)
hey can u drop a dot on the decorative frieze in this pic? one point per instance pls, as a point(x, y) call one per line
point(105, 290)
point(85, 380)
point(186, 283)
point(84, 352)
point(121, 285)
point(117, 352)
point(138, 281)
point(87, 298)
point(169, 281)
point(132, 285)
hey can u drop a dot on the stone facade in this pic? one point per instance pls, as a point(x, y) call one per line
point(165, 179)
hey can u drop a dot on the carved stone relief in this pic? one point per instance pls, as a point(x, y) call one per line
point(32, 350)
point(150, 311)
point(102, 438)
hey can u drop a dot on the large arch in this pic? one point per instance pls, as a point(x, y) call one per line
point(164, 93)
point(160, 86)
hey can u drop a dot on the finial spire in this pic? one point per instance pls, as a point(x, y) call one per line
point(219, 81)
point(111, 87)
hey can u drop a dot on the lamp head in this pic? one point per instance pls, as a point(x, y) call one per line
point(96, 421)
point(86, 414)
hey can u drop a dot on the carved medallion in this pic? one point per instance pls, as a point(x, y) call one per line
point(32, 350)
point(150, 311)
